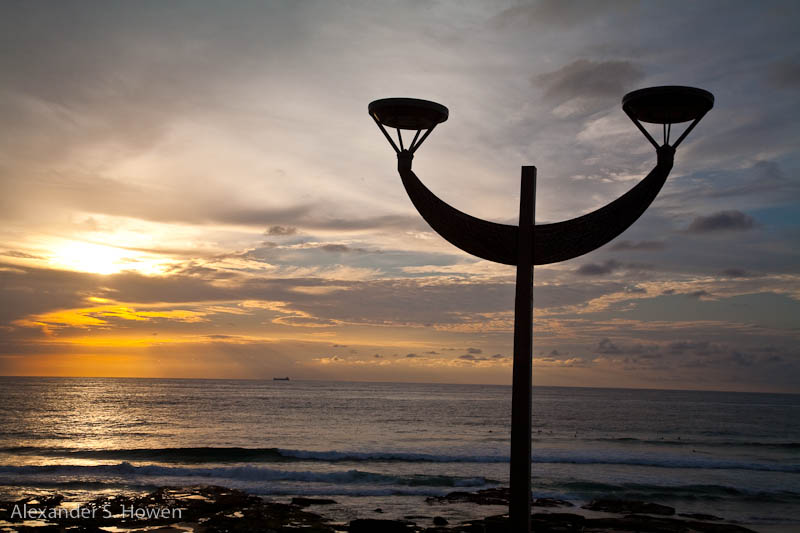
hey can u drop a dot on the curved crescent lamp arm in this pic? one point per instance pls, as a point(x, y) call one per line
point(551, 242)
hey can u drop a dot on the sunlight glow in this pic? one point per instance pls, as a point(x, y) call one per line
point(102, 259)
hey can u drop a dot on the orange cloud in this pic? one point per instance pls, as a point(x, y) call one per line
point(99, 317)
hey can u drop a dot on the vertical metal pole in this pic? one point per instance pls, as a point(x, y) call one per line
point(519, 508)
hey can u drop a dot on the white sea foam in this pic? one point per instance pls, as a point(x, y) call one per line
point(246, 473)
point(554, 456)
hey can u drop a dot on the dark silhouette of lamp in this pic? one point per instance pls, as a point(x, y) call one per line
point(529, 244)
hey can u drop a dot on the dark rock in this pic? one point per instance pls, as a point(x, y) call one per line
point(641, 524)
point(649, 524)
point(372, 525)
point(700, 516)
point(378, 510)
point(705, 527)
point(458, 496)
point(561, 518)
point(557, 522)
point(490, 524)
point(218, 509)
point(551, 502)
point(53, 500)
point(498, 496)
point(305, 502)
point(628, 507)
point(573, 523)
point(497, 524)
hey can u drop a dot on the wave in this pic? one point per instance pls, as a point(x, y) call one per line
point(660, 461)
point(262, 490)
point(244, 473)
point(649, 492)
point(265, 481)
point(279, 455)
point(703, 443)
point(246, 455)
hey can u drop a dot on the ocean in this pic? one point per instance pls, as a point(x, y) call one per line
point(390, 445)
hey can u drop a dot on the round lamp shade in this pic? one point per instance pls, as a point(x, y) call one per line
point(668, 104)
point(408, 113)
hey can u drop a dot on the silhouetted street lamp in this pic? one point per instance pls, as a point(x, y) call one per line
point(528, 244)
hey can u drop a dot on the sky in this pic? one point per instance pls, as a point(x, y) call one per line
point(195, 189)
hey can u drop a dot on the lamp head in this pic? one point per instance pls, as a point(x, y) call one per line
point(667, 105)
point(407, 114)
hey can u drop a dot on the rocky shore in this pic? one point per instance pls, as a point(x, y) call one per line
point(212, 509)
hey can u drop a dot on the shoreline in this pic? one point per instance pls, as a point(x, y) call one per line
point(211, 508)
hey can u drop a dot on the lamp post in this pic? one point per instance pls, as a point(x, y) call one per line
point(529, 244)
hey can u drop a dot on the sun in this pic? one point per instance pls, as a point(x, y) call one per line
point(89, 257)
point(102, 259)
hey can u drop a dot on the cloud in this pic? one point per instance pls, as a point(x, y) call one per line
point(638, 246)
point(722, 221)
point(557, 362)
point(280, 231)
point(738, 273)
point(404, 222)
point(32, 291)
point(741, 359)
point(739, 365)
point(559, 13)
point(472, 358)
point(474, 351)
point(698, 294)
point(400, 301)
point(605, 346)
point(20, 255)
point(585, 86)
point(258, 216)
point(341, 249)
point(693, 347)
point(594, 269)
point(327, 360)
point(785, 74)
point(305, 320)
point(169, 202)
point(638, 349)
point(761, 178)
point(759, 183)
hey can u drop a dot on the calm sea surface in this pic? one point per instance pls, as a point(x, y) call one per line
point(389, 445)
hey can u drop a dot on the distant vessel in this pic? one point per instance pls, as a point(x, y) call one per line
point(281, 379)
